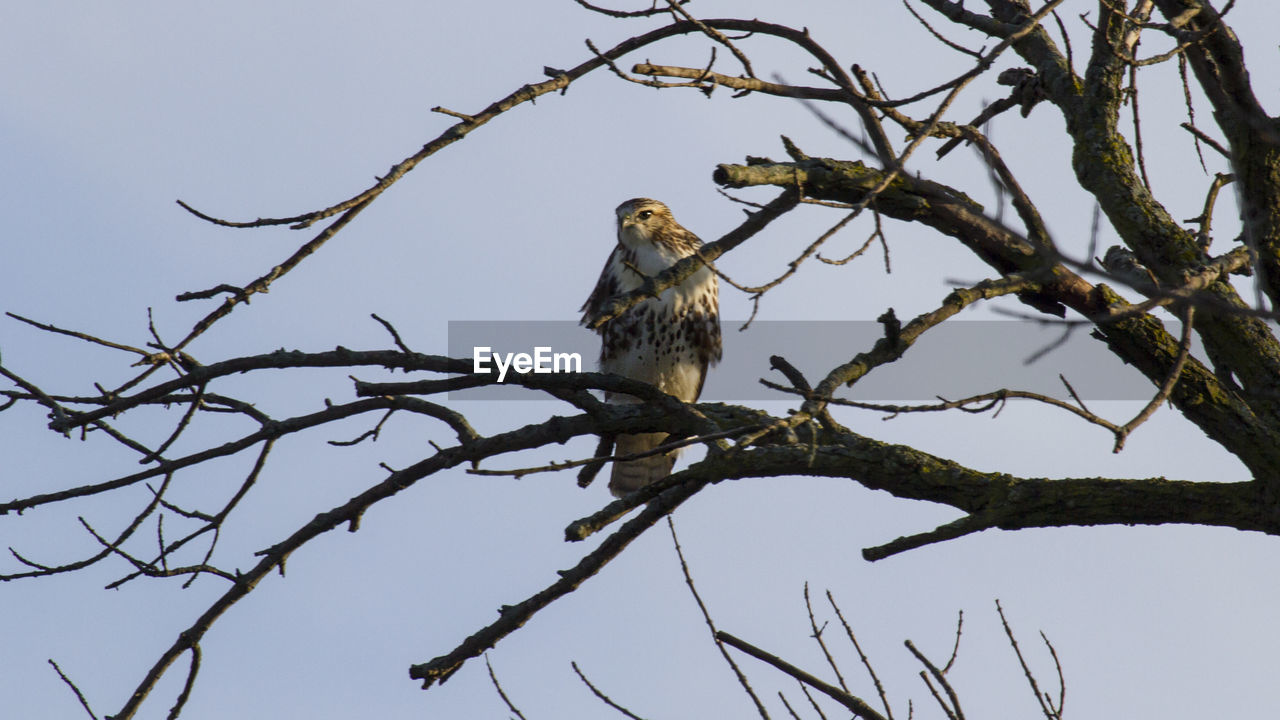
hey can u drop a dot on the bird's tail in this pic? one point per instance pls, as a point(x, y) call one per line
point(631, 475)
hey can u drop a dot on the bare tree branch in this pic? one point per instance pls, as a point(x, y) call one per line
point(79, 695)
point(851, 702)
point(706, 616)
point(501, 693)
point(603, 698)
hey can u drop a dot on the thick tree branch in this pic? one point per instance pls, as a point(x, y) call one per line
point(1141, 340)
point(1003, 501)
point(1104, 165)
point(1217, 58)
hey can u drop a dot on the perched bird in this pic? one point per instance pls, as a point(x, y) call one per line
point(668, 341)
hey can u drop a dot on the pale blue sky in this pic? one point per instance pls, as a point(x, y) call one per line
point(110, 112)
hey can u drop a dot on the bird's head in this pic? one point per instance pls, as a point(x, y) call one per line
point(640, 220)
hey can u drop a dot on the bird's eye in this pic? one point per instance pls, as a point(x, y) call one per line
point(644, 214)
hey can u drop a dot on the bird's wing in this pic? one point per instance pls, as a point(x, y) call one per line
point(606, 287)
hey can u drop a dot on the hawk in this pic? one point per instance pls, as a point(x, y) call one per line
point(668, 341)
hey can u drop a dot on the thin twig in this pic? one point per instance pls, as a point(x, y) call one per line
point(493, 677)
point(603, 698)
point(1062, 683)
point(954, 710)
point(1066, 40)
point(625, 13)
point(955, 649)
point(817, 636)
point(79, 695)
point(392, 330)
point(372, 433)
point(877, 232)
point(60, 414)
point(197, 399)
point(714, 34)
point(853, 703)
point(953, 45)
point(812, 702)
point(1166, 388)
point(1203, 137)
point(1031, 678)
point(1191, 108)
point(76, 334)
point(866, 662)
point(190, 682)
point(515, 616)
point(1205, 218)
point(790, 711)
point(706, 616)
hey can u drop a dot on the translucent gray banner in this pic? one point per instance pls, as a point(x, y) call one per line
point(954, 360)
